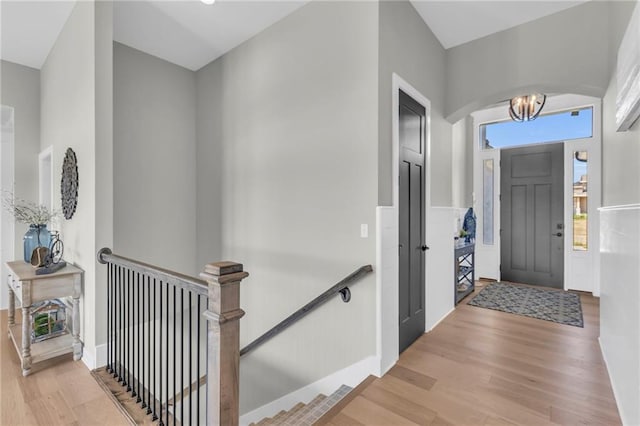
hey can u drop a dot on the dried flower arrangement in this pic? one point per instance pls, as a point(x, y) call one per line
point(27, 211)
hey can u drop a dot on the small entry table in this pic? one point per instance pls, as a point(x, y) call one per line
point(30, 288)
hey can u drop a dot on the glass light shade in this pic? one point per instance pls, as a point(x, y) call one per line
point(527, 107)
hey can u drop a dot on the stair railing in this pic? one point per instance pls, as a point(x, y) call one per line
point(150, 319)
point(341, 287)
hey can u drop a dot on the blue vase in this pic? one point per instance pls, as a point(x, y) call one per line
point(36, 236)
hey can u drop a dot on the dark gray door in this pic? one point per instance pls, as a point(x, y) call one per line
point(531, 213)
point(412, 121)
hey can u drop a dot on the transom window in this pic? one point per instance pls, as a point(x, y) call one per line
point(553, 127)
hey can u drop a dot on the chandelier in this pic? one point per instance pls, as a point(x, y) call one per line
point(527, 107)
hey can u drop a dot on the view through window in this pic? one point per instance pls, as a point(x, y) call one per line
point(553, 127)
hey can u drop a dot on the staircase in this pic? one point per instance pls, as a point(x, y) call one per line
point(306, 414)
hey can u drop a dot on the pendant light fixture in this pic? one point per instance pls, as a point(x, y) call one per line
point(527, 107)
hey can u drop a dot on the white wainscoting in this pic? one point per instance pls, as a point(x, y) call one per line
point(441, 224)
point(620, 305)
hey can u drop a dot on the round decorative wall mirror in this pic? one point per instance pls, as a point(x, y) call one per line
point(69, 184)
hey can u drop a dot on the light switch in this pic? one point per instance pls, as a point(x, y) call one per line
point(364, 230)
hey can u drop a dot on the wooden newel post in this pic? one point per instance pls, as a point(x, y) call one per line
point(223, 314)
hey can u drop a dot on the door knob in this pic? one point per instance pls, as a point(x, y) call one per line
point(558, 234)
point(424, 248)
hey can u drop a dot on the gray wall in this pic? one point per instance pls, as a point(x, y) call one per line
point(409, 48)
point(76, 112)
point(287, 124)
point(462, 163)
point(68, 103)
point(567, 52)
point(21, 90)
point(154, 158)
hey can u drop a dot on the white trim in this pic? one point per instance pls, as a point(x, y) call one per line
point(352, 376)
point(7, 183)
point(616, 392)
point(620, 207)
point(88, 358)
point(387, 338)
point(386, 287)
point(499, 113)
point(95, 358)
point(437, 323)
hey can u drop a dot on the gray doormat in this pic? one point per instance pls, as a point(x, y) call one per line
point(545, 304)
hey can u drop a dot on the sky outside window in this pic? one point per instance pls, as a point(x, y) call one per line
point(566, 125)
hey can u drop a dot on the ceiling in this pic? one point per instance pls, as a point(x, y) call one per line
point(458, 22)
point(192, 34)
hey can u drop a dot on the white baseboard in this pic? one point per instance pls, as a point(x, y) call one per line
point(442, 319)
point(88, 358)
point(616, 393)
point(95, 359)
point(351, 376)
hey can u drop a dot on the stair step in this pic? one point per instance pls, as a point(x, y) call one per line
point(326, 404)
point(298, 418)
point(296, 408)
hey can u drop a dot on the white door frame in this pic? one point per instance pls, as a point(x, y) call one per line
point(7, 179)
point(387, 254)
point(488, 257)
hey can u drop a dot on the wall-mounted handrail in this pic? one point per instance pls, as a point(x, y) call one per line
point(341, 287)
point(192, 284)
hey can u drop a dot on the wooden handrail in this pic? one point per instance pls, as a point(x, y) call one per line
point(193, 284)
point(340, 287)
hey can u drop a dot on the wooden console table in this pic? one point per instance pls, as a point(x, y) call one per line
point(30, 288)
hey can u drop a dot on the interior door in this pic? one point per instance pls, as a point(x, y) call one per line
point(532, 215)
point(412, 122)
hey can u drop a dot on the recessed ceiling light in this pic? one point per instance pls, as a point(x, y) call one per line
point(208, 1)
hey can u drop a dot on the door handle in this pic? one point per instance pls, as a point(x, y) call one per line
point(424, 247)
point(558, 234)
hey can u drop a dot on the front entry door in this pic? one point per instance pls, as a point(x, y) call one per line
point(412, 122)
point(532, 212)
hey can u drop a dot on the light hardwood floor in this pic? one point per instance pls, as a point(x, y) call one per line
point(484, 367)
point(58, 391)
point(478, 367)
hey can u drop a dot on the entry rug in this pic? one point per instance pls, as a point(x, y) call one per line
point(545, 304)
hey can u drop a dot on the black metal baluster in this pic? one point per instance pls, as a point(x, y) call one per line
point(175, 331)
point(148, 310)
point(153, 358)
point(190, 363)
point(160, 352)
point(181, 356)
point(140, 347)
point(198, 365)
point(134, 376)
point(145, 385)
point(128, 344)
point(167, 364)
point(121, 333)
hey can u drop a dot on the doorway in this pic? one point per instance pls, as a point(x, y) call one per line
point(411, 210)
point(532, 215)
point(575, 122)
point(7, 226)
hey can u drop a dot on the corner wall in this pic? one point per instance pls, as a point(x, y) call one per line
point(154, 156)
point(76, 112)
point(288, 125)
point(409, 49)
